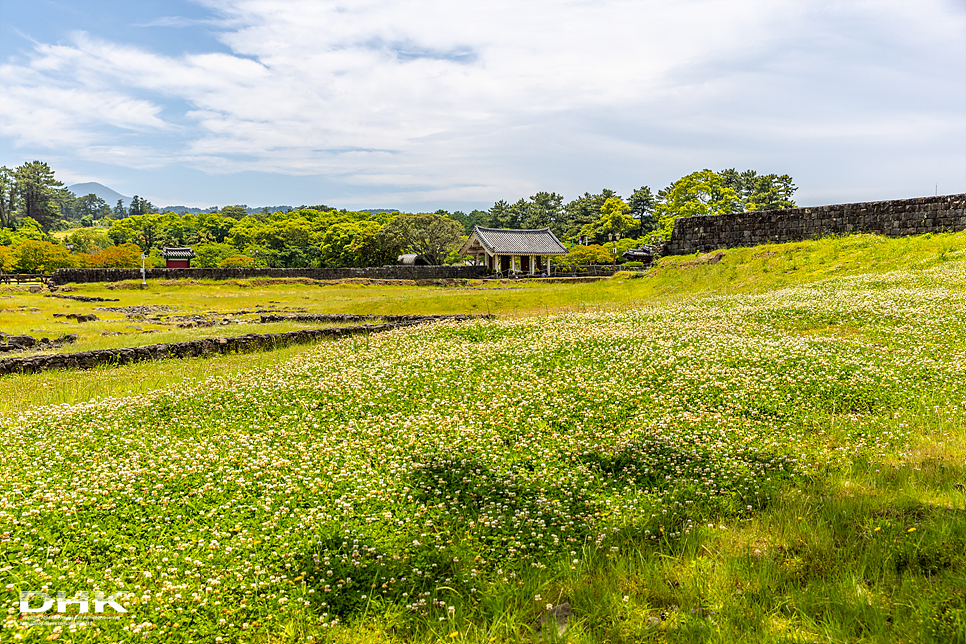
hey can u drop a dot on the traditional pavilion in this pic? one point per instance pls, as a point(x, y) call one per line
point(177, 257)
point(506, 250)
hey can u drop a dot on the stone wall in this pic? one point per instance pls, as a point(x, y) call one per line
point(84, 275)
point(208, 346)
point(893, 218)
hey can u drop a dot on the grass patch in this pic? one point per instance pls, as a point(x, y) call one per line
point(775, 463)
point(20, 392)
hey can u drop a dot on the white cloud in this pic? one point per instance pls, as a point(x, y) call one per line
point(500, 98)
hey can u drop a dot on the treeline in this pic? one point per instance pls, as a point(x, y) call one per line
point(643, 213)
point(599, 227)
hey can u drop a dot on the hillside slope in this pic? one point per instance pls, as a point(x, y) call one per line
point(770, 449)
point(761, 268)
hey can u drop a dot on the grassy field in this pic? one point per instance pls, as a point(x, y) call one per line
point(765, 449)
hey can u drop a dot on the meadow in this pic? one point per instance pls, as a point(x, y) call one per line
point(766, 449)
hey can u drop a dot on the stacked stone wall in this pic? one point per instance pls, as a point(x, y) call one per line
point(85, 275)
point(210, 346)
point(892, 218)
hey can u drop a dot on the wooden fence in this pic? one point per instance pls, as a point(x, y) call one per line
point(24, 278)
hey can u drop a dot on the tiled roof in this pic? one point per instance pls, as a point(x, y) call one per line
point(177, 253)
point(506, 241)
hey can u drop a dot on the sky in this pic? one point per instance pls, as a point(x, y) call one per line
point(453, 104)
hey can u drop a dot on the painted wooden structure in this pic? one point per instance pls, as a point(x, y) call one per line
point(177, 257)
point(513, 251)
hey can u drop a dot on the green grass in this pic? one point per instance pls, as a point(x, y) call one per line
point(766, 449)
point(20, 392)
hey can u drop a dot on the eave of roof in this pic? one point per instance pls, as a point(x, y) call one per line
point(177, 253)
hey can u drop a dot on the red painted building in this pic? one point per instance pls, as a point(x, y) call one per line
point(177, 257)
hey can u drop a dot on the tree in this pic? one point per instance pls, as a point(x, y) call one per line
point(280, 235)
point(582, 211)
point(501, 215)
point(214, 227)
point(137, 207)
point(234, 212)
point(40, 194)
point(697, 194)
point(212, 255)
point(93, 206)
point(123, 231)
point(544, 211)
point(147, 231)
point(90, 206)
point(8, 197)
point(243, 234)
point(475, 218)
point(354, 244)
point(40, 257)
point(29, 228)
point(120, 211)
point(760, 192)
point(88, 240)
point(642, 204)
point(614, 218)
point(426, 234)
point(175, 230)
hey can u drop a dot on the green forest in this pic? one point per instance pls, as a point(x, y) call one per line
point(43, 226)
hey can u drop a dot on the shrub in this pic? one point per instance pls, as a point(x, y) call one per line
point(593, 254)
point(40, 257)
point(237, 261)
point(123, 256)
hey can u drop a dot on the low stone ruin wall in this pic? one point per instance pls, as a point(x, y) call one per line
point(893, 218)
point(85, 275)
point(208, 346)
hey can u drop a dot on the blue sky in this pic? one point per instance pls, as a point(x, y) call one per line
point(451, 104)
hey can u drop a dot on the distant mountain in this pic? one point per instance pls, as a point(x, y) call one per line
point(105, 193)
point(186, 210)
point(111, 197)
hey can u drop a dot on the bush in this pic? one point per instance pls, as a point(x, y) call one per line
point(237, 261)
point(40, 257)
point(123, 256)
point(6, 259)
point(593, 254)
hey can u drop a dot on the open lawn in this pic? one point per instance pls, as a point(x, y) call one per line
point(769, 448)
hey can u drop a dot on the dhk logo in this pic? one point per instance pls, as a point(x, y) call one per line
point(81, 599)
